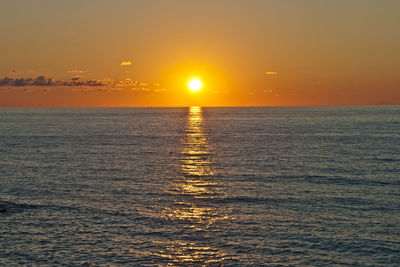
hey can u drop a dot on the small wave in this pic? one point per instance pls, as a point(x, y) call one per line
point(387, 159)
point(7, 206)
point(15, 207)
point(245, 199)
point(317, 179)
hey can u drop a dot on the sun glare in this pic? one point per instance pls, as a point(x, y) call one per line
point(195, 85)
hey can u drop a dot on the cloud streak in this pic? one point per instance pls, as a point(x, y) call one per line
point(77, 71)
point(126, 63)
point(15, 72)
point(271, 73)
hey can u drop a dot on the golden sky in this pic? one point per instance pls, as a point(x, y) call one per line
point(245, 52)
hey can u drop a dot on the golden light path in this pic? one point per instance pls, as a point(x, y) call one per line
point(195, 184)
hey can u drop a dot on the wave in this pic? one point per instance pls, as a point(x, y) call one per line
point(17, 207)
point(6, 206)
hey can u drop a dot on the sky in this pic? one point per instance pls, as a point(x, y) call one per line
point(76, 53)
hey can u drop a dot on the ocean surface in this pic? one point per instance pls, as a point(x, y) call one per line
point(298, 186)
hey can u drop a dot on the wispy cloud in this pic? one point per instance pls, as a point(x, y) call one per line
point(128, 82)
point(271, 73)
point(15, 72)
point(76, 71)
point(136, 85)
point(159, 90)
point(126, 63)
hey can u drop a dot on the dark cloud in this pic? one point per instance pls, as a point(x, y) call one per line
point(22, 81)
point(106, 84)
point(44, 81)
point(6, 81)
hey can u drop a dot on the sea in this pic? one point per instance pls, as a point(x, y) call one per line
point(200, 186)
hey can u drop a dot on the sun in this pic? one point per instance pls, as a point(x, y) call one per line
point(195, 85)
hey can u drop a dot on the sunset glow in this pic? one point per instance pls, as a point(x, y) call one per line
point(200, 132)
point(246, 53)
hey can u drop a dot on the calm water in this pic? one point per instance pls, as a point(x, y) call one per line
point(203, 186)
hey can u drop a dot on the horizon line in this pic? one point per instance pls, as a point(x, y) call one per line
point(209, 106)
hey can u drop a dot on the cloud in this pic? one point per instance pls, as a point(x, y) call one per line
point(77, 71)
point(44, 81)
point(128, 82)
point(126, 63)
point(271, 73)
point(77, 83)
point(136, 85)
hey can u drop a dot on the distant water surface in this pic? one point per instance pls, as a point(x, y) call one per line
point(295, 186)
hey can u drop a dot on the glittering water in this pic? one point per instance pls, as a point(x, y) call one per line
point(200, 186)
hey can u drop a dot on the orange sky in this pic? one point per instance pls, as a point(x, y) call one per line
point(246, 52)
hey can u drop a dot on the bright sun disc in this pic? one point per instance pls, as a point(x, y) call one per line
point(195, 85)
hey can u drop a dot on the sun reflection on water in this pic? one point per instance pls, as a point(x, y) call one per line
point(192, 193)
